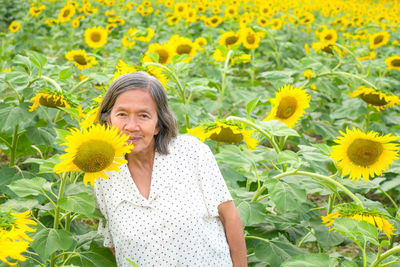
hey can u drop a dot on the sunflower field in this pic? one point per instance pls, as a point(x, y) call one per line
point(298, 100)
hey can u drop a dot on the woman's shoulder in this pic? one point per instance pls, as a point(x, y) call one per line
point(185, 144)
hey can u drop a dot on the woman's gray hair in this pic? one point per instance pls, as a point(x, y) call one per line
point(142, 81)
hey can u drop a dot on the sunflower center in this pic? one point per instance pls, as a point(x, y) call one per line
point(94, 156)
point(250, 39)
point(395, 62)
point(328, 49)
point(95, 36)
point(184, 49)
point(378, 39)
point(328, 37)
point(227, 136)
point(162, 56)
point(231, 40)
point(215, 20)
point(66, 13)
point(286, 107)
point(51, 101)
point(81, 60)
point(364, 152)
point(373, 99)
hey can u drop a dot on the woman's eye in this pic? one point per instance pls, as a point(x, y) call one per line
point(144, 116)
point(121, 114)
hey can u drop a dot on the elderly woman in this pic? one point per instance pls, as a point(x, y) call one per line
point(169, 205)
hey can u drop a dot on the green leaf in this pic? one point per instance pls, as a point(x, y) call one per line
point(28, 187)
point(358, 231)
point(349, 264)
point(251, 212)
point(276, 252)
point(17, 78)
point(252, 105)
point(154, 56)
point(278, 78)
point(11, 116)
point(82, 203)
point(47, 240)
point(287, 197)
point(45, 165)
point(65, 73)
point(327, 239)
point(37, 59)
point(323, 148)
point(277, 128)
point(71, 111)
point(96, 256)
point(132, 263)
point(312, 154)
point(311, 260)
point(41, 136)
point(23, 61)
point(288, 157)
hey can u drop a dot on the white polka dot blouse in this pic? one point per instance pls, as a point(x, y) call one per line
point(178, 224)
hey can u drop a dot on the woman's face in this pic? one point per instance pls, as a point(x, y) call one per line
point(135, 114)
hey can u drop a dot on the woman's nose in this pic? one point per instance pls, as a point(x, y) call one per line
point(132, 124)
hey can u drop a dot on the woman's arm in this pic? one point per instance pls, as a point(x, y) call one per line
point(230, 218)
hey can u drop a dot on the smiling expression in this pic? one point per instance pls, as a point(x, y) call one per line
point(135, 114)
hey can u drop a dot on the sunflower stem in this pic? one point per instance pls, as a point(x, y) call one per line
point(349, 75)
point(275, 48)
point(352, 54)
point(258, 193)
point(252, 71)
point(35, 260)
point(20, 99)
point(389, 197)
point(224, 71)
point(322, 177)
point(364, 255)
point(14, 144)
point(304, 238)
point(80, 84)
point(257, 238)
point(53, 82)
point(331, 201)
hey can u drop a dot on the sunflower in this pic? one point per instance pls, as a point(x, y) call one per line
point(219, 55)
point(200, 42)
point(308, 74)
point(230, 38)
point(370, 56)
point(251, 39)
point(393, 63)
point(377, 99)
point(50, 22)
point(213, 21)
point(180, 9)
point(35, 10)
point(49, 98)
point(164, 52)
point(350, 210)
point(364, 154)
point(141, 36)
point(66, 13)
point(158, 73)
point(94, 151)
point(96, 37)
point(275, 23)
point(123, 68)
point(328, 36)
point(13, 237)
point(231, 12)
point(14, 26)
point(183, 45)
point(172, 20)
point(80, 59)
point(191, 16)
point(378, 39)
point(225, 132)
point(262, 21)
point(289, 105)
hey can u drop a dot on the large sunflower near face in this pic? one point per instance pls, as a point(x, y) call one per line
point(377, 99)
point(13, 237)
point(352, 211)
point(49, 98)
point(66, 13)
point(96, 37)
point(94, 151)
point(378, 39)
point(80, 59)
point(364, 155)
point(164, 52)
point(393, 63)
point(289, 105)
point(225, 132)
